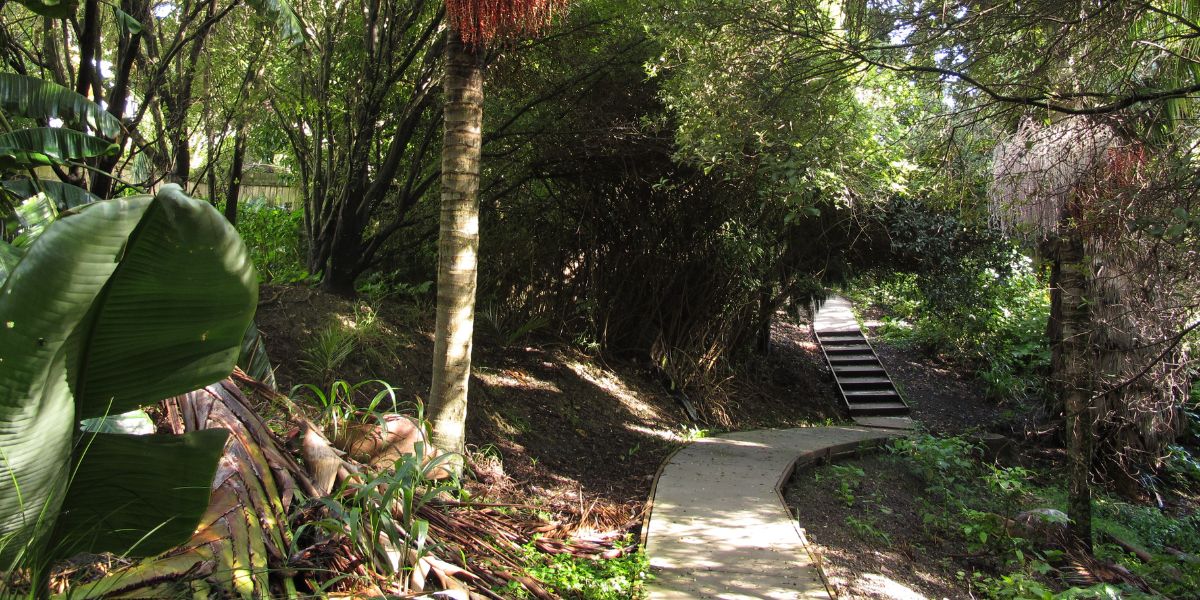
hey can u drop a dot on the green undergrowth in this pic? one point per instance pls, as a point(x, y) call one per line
point(973, 504)
point(1000, 333)
point(275, 239)
point(620, 578)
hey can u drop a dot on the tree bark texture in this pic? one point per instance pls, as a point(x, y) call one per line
point(1073, 376)
point(234, 191)
point(458, 245)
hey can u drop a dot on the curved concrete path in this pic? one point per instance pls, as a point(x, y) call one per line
point(718, 526)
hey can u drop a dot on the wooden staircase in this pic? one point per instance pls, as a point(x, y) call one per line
point(864, 384)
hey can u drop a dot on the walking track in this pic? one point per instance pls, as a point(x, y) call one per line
point(719, 527)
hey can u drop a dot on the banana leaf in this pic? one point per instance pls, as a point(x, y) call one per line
point(39, 99)
point(56, 9)
point(9, 257)
point(124, 303)
point(134, 422)
point(50, 145)
point(283, 16)
point(34, 214)
point(137, 494)
point(64, 195)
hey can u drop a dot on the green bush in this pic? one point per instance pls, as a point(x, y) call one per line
point(969, 499)
point(275, 237)
point(1001, 334)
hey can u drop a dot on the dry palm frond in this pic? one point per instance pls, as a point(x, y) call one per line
point(479, 22)
point(250, 543)
point(1084, 570)
point(1079, 173)
point(1037, 170)
point(241, 545)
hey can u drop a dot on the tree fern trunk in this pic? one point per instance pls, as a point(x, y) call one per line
point(458, 245)
point(1074, 378)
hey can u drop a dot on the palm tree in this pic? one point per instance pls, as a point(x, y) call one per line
point(474, 24)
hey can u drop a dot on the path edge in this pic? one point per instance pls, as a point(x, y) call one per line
point(820, 456)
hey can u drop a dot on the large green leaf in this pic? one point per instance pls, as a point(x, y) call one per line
point(129, 25)
point(171, 319)
point(34, 215)
point(43, 300)
point(134, 422)
point(40, 99)
point(138, 494)
point(9, 257)
point(124, 303)
point(64, 195)
point(57, 9)
point(50, 145)
point(283, 16)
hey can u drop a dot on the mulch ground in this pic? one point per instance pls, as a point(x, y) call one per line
point(867, 532)
point(548, 425)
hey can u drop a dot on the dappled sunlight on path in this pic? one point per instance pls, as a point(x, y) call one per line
point(719, 527)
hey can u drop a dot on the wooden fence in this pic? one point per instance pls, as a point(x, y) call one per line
point(274, 195)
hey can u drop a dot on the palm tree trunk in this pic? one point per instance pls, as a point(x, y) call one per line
point(458, 245)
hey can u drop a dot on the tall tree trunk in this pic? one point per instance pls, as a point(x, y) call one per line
point(1074, 378)
point(345, 253)
point(458, 244)
point(88, 74)
point(181, 156)
point(234, 191)
point(766, 308)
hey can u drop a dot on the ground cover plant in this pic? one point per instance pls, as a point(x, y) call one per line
point(949, 522)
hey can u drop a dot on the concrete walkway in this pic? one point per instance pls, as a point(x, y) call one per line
point(836, 314)
point(719, 527)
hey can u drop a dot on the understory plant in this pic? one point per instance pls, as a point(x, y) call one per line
point(274, 236)
point(378, 515)
point(115, 305)
point(339, 403)
point(620, 578)
point(1000, 332)
point(975, 501)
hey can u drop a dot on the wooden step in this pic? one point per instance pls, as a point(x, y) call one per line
point(853, 359)
point(851, 349)
point(848, 381)
point(858, 370)
point(867, 395)
point(844, 344)
point(879, 408)
point(833, 338)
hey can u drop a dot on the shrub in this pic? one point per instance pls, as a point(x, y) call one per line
point(1001, 334)
point(275, 239)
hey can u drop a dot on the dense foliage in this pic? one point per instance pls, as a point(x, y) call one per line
point(1013, 185)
